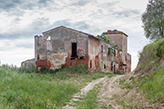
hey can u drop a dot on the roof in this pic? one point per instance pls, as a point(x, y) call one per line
point(115, 32)
point(90, 35)
point(75, 31)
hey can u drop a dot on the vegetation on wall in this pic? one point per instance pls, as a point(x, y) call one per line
point(104, 38)
point(110, 50)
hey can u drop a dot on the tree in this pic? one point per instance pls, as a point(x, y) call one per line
point(153, 19)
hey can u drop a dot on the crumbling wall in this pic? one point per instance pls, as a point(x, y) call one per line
point(28, 63)
point(93, 52)
point(128, 63)
point(57, 48)
point(105, 59)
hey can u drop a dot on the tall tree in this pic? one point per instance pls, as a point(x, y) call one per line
point(153, 19)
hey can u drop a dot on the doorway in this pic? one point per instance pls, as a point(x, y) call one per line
point(74, 51)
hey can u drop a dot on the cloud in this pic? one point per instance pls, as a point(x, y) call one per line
point(81, 2)
point(127, 13)
point(81, 25)
point(25, 45)
point(44, 1)
point(9, 4)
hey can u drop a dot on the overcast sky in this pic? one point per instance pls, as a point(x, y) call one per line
point(21, 20)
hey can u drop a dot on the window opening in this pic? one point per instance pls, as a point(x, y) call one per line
point(125, 58)
point(38, 58)
point(101, 48)
point(111, 66)
point(90, 63)
point(74, 51)
point(114, 52)
point(49, 38)
point(104, 66)
point(102, 52)
point(114, 69)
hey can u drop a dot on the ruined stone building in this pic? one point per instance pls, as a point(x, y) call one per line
point(65, 46)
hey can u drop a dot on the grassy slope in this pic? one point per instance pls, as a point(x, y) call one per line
point(30, 90)
point(151, 72)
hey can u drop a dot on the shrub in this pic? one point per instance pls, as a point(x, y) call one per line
point(119, 72)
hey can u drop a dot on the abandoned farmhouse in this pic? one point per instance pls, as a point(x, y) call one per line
point(65, 46)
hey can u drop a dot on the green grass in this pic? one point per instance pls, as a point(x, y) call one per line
point(150, 57)
point(27, 89)
point(151, 79)
point(152, 85)
point(90, 100)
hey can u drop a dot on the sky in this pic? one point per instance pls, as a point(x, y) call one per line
point(21, 20)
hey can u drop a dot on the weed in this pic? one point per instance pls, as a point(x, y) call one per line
point(122, 81)
point(119, 73)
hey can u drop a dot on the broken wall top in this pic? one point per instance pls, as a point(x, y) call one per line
point(115, 32)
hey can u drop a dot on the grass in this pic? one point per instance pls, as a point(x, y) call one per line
point(152, 85)
point(90, 100)
point(20, 88)
point(151, 70)
point(150, 57)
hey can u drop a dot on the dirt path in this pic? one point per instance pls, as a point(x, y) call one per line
point(83, 91)
point(112, 95)
point(109, 89)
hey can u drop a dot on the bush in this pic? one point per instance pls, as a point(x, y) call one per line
point(119, 72)
point(44, 70)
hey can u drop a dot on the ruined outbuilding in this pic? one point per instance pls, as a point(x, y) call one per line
point(65, 46)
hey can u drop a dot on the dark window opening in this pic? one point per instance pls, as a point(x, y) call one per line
point(114, 52)
point(102, 52)
point(109, 51)
point(38, 58)
point(101, 48)
point(90, 63)
point(81, 57)
point(104, 66)
point(74, 51)
point(111, 66)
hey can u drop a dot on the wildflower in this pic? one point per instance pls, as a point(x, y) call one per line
point(20, 103)
point(32, 100)
point(27, 97)
point(13, 100)
point(29, 106)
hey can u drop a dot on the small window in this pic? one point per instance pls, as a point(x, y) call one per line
point(101, 48)
point(114, 52)
point(38, 58)
point(49, 38)
point(109, 52)
point(90, 63)
point(111, 66)
point(104, 66)
point(125, 58)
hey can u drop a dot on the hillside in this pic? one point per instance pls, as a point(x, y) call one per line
point(150, 71)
